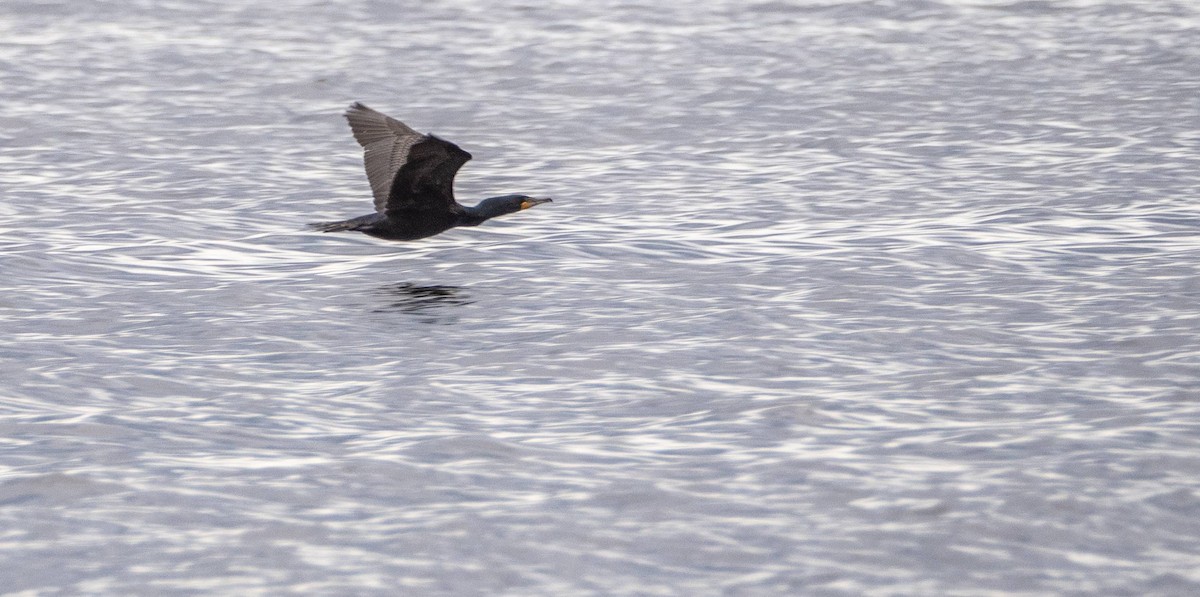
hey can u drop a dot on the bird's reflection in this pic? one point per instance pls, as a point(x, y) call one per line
point(430, 304)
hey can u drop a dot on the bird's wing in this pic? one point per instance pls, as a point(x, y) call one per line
point(389, 145)
point(426, 180)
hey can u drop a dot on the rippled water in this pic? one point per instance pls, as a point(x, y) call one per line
point(836, 298)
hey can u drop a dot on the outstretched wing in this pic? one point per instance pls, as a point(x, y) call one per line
point(407, 170)
point(426, 180)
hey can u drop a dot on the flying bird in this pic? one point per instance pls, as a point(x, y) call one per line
point(412, 178)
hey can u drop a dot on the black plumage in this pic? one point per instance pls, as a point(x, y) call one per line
point(412, 178)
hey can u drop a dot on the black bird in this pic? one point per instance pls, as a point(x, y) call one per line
point(412, 177)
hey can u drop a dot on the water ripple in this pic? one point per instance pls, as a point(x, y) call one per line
point(835, 297)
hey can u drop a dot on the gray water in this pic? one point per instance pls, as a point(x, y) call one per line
point(835, 298)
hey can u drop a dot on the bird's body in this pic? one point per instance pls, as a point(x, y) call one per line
point(412, 178)
point(380, 225)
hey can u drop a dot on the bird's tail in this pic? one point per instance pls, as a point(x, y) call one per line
point(334, 226)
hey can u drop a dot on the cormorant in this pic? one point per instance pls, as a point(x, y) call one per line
point(412, 177)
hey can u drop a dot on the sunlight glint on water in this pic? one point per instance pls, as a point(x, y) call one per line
point(834, 298)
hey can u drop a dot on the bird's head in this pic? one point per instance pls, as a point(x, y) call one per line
point(498, 206)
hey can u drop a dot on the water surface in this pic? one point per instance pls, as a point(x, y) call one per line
point(835, 298)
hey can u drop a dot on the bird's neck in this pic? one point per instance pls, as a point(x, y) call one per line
point(473, 216)
point(486, 210)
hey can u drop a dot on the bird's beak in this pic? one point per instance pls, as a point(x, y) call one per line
point(530, 202)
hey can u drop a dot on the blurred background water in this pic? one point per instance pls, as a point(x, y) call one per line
point(835, 298)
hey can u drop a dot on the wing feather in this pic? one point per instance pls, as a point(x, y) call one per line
point(426, 180)
point(386, 144)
